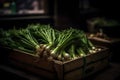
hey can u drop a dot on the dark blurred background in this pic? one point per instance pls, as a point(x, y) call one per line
point(56, 12)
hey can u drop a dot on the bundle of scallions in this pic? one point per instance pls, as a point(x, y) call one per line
point(47, 42)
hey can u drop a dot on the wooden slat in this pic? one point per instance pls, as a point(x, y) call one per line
point(31, 60)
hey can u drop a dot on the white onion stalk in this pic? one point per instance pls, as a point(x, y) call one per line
point(66, 56)
point(59, 57)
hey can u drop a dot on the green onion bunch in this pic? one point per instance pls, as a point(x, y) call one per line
point(47, 42)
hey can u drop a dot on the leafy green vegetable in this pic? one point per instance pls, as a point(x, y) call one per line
point(47, 42)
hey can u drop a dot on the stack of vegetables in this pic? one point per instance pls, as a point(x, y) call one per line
point(46, 42)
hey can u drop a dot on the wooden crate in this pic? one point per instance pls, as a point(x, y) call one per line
point(113, 44)
point(56, 70)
